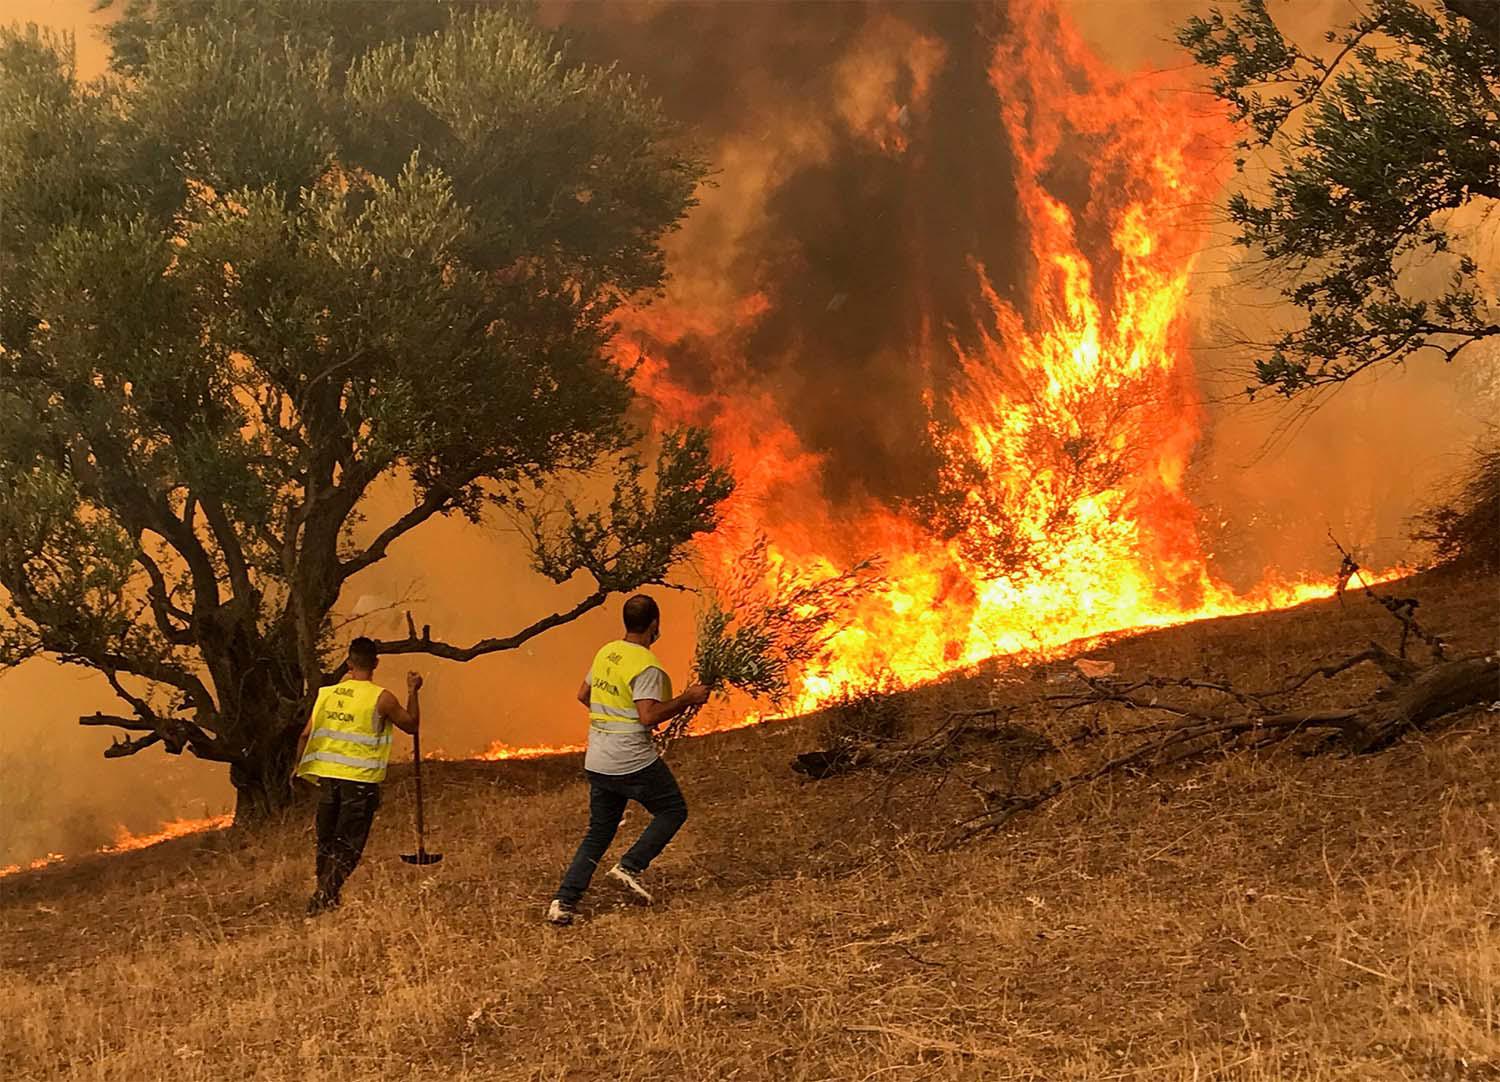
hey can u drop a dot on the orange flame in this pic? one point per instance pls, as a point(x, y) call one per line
point(177, 828)
point(499, 750)
point(125, 841)
point(1066, 438)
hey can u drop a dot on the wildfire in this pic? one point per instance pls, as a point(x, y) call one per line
point(1064, 437)
point(177, 828)
point(499, 750)
point(125, 841)
point(32, 866)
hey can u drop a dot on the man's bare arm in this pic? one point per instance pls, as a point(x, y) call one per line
point(584, 693)
point(302, 745)
point(407, 718)
point(654, 713)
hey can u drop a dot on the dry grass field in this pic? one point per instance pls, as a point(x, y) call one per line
point(1281, 915)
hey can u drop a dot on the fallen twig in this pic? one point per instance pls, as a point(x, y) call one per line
point(1432, 693)
point(1402, 608)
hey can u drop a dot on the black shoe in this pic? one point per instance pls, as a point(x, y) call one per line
point(559, 913)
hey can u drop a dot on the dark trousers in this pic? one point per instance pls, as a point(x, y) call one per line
point(655, 789)
point(345, 811)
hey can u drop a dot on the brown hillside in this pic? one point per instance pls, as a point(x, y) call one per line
point(1284, 915)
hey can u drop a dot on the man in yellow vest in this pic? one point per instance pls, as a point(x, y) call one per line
point(628, 694)
point(346, 747)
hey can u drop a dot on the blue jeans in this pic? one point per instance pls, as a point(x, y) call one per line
point(655, 789)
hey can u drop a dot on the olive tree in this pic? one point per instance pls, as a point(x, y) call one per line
point(1377, 137)
point(275, 261)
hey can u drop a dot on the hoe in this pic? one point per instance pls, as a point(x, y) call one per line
point(421, 856)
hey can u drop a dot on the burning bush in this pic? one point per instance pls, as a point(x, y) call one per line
point(1465, 531)
point(767, 623)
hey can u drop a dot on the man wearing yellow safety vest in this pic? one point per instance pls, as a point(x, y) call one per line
point(628, 694)
point(346, 747)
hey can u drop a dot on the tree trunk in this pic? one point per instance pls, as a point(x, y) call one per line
point(263, 779)
point(1444, 688)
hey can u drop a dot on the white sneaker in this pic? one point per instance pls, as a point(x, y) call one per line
point(559, 914)
point(632, 883)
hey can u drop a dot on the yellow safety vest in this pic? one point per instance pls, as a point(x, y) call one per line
point(611, 705)
point(347, 741)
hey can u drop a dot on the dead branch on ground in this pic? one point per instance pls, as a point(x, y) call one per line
point(1410, 706)
point(1182, 718)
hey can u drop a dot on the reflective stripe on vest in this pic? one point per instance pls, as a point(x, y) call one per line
point(343, 760)
point(611, 703)
point(347, 741)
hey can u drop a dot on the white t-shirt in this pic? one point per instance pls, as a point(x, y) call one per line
point(628, 750)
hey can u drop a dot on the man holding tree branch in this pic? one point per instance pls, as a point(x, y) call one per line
point(628, 694)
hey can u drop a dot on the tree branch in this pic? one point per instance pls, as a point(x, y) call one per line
point(102, 464)
point(119, 749)
point(1395, 668)
point(176, 734)
point(115, 721)
point(229, 545)
point(178, 532)
point(141, 707)
point(160, 671)
point(1309, 94)
point(1412, 341)
point(433, 503)
point(161, 603)
point(96, 654)
point(425, 644)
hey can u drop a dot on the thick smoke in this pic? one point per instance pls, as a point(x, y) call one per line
point(862, 173)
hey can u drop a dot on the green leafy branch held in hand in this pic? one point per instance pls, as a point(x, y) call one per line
point(1384, 136)
point(290, 253)
point(759, 629)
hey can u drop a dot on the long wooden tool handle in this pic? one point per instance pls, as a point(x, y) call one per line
point(416, 751)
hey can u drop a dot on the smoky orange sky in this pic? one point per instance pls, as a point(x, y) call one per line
point(1360, 466)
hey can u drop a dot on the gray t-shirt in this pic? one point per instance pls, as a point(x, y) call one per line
point(631, 749)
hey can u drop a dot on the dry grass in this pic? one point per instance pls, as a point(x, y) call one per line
point(1254, 919)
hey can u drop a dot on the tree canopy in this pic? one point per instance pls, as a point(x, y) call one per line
point(1382, 135)
point(278, 257)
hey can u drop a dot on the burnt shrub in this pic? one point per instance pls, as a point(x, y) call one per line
point(1464, 530)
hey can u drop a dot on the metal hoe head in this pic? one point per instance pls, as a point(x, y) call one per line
point(421, 856)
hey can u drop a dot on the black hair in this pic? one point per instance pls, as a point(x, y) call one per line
point(640, 613)
point(362, 653)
